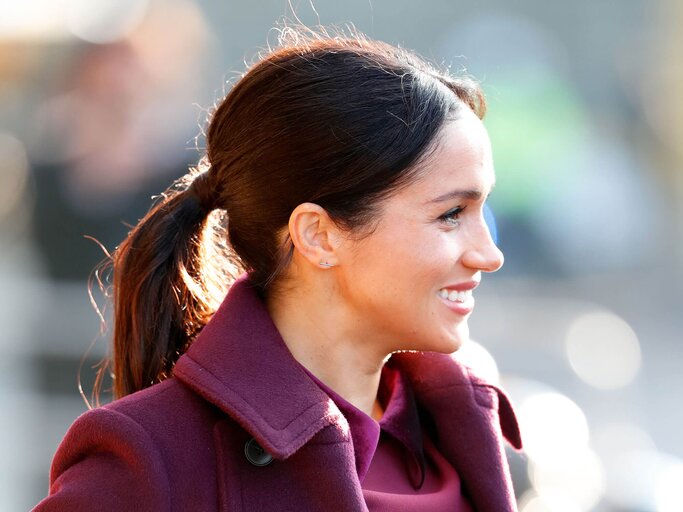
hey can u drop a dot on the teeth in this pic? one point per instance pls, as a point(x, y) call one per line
point(455, 296)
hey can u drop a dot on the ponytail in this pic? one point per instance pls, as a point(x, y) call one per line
point(169, 275)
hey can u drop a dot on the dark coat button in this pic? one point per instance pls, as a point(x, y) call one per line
point(255, 454)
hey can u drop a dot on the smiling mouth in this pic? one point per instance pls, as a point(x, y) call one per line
point(455, 296)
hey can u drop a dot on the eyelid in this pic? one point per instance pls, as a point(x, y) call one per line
point(452, 215)
point(456, 210)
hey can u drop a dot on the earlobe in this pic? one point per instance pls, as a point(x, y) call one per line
point(309, 229)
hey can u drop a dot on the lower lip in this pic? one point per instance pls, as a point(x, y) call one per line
point(461, 308)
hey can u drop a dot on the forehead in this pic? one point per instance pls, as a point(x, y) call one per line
point(461, 160)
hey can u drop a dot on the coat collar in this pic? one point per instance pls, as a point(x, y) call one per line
point(469, 417)
point(462, 382)
point(240, 363)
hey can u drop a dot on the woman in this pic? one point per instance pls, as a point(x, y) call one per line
point(349, 178)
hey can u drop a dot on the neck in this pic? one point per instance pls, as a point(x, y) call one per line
point(320, 334)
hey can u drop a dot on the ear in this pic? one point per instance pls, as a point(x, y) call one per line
point(314, 235)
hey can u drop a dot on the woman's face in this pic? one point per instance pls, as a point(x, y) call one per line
point(409, 283)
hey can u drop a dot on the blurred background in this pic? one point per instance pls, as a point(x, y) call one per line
point(102, 104)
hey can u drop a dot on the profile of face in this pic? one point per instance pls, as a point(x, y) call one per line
point(410, 282)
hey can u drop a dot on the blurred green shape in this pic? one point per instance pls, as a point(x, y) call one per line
point(535, 122)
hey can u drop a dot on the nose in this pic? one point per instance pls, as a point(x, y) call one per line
point(482, 253)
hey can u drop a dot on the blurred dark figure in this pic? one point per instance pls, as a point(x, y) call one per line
point(111, 138)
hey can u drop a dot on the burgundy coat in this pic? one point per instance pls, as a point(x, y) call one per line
point(188, 442)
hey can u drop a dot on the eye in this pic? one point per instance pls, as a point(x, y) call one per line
point(452, 217)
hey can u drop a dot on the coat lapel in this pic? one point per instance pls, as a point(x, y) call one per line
point(471, 418)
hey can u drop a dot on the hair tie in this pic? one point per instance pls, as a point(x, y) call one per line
point(204, 191)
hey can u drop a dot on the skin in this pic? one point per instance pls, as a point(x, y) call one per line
point(382, 292)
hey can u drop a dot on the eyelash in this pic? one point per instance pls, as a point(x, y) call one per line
point(451, 217)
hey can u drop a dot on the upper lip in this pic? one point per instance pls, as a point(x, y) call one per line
point(462, 287)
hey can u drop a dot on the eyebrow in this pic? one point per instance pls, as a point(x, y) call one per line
point(470, 194)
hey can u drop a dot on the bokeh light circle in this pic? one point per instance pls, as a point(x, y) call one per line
point(669, 488)
point(104, 21)
point(475, 356)
point(532, 502)
point(553, 427)
point(603, 350)
point(580, 475)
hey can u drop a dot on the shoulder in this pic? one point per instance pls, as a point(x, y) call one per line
point(169, 403)
point(178, 423)
point(107, 461)
point(126, 455)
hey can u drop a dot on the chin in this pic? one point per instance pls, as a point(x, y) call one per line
point(446, 340)
point(453, 340)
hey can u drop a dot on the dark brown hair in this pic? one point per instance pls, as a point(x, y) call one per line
point(339, 121)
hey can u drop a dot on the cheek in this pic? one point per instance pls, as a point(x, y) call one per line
point(432, 257)
point(413, 276)
point(383, 273)
point(395, 265)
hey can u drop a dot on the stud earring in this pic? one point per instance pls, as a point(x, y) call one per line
point(326, 264)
